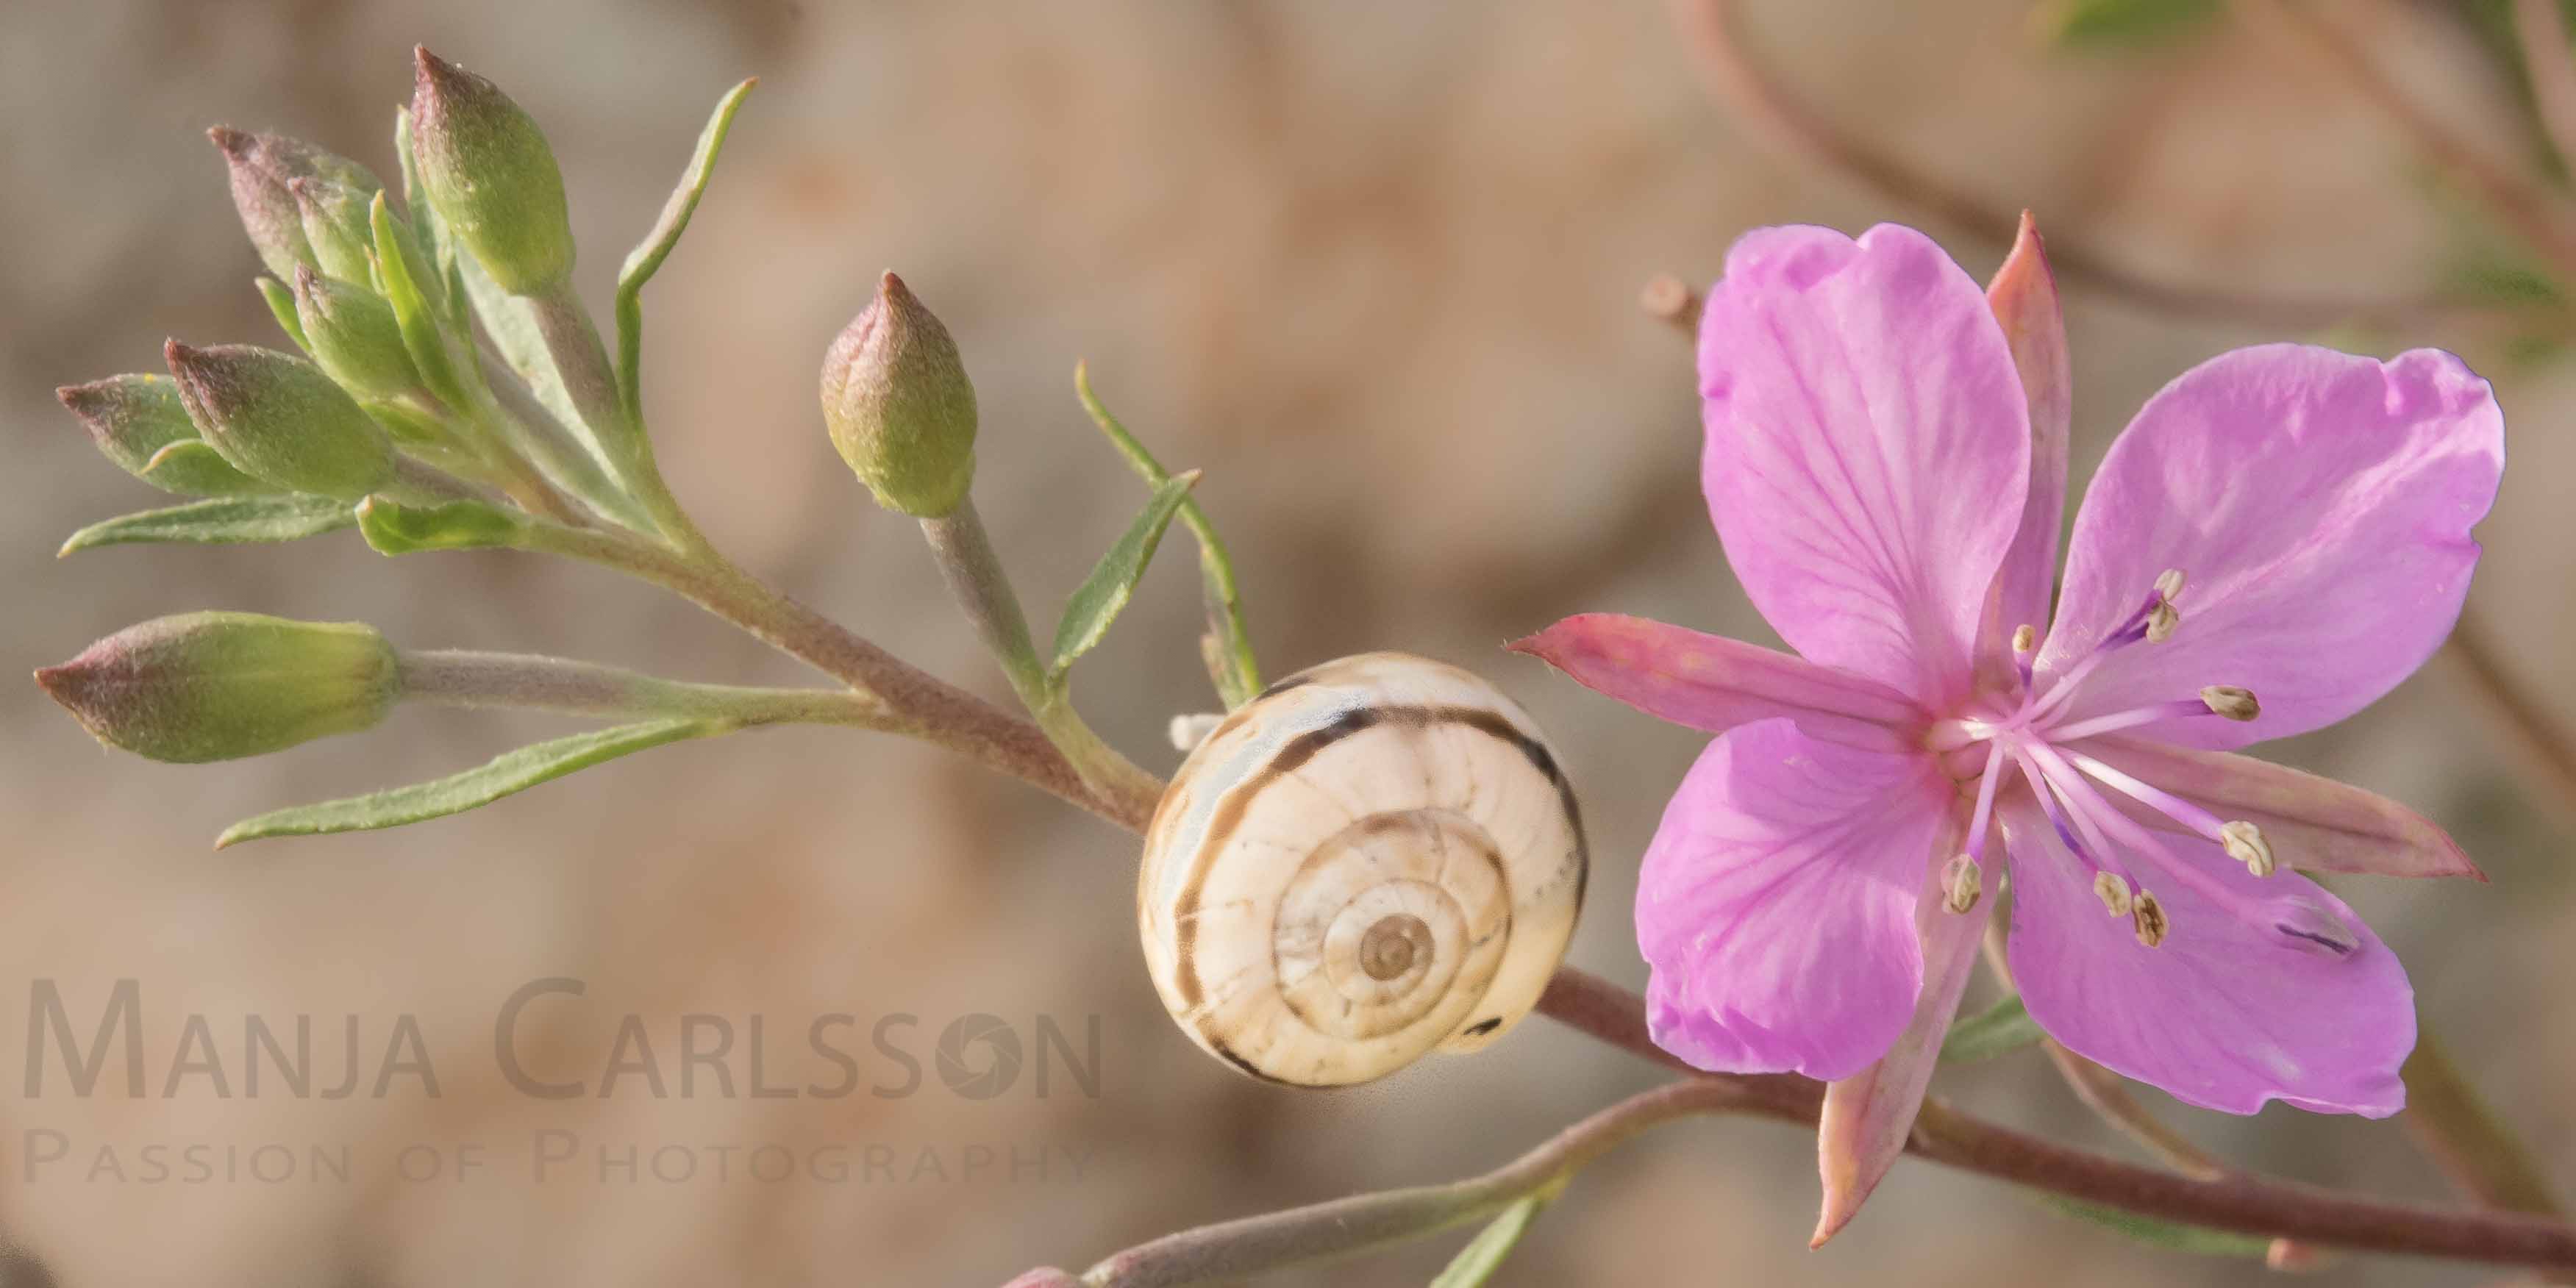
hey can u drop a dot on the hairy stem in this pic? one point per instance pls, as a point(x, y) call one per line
point(469, 678)
point(590, 381)
point(976, 581)
point(1346, 1227)
point(940, 712)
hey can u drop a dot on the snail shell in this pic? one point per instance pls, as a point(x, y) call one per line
point(1374, 858)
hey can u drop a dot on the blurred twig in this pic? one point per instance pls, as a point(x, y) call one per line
point(2542, 753)
point(2541, 31)
point(2544, 223)
point(1763, 103)
point(2452, 1123)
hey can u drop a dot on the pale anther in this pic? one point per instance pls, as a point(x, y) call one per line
point(2113, 892)
point(2149, 918)
point(2162, 621)
point(1961, 882)
point(2246, 845)
point(2169, 583)
point(2231, 701)
point(2025, 638)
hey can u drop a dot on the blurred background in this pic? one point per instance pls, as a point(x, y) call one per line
point(1376, 269)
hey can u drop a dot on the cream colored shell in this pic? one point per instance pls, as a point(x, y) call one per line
point(1374, 858)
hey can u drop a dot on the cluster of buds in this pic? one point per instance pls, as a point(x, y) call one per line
point(389, 412)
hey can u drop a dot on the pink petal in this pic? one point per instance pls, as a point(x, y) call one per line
point(1776, 904)
point(2024, 299)
point(2320, 505)
point(2227, 1012)
point(1869, 1116)
point(1868, 448)
point(2310, 822)
point(1713, 683)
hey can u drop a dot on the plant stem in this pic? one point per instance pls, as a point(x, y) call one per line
point(976, 581)
point(1757, 99)
point(590, 381)
point(1346, 1227)
point(467, 678)
point(950, 717)
point(2546, 225)
point(934, 710)
point(2454, 1126)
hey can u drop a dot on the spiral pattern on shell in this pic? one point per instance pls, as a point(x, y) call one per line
point(1374, 858)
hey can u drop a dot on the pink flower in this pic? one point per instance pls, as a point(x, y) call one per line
point(2279, 538)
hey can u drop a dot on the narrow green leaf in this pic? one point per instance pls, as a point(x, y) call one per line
point(1227, 647)
point(2116, 24)
point(1484, 1254)
point(646, 259)
point(507, 775)
point(1102, 595)
point(2001, 1030)
point(2160, 1233)
point(394, 528)
point(281, 303)
point(223, 521)
point(414, 311)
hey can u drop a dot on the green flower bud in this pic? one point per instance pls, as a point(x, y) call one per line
point(896, 398)
point(139, 422)
point(262, 166)
point(280, 419)
point(218, 686)
point(352, 333)
point(336, 226)
point(488, 172)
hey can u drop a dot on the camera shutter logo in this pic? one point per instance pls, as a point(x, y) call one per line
point(1000, 1066)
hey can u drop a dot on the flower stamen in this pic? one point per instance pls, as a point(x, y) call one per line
point(1961, 882)
point(2148, 917)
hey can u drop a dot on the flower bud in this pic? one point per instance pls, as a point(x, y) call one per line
point(488, 172)
point(335, 225)
point(896, 398)
point(262, 167)
point(217, 686)
point(352, 333)
point(139, 422)
point(279, 419)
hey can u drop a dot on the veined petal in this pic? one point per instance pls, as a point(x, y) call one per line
point(2023, 296)
point(1776, 904)
point(1868, 448)
point(2310, 822)
point(1714, 683)
point(2227, 1012)
point(1869, 1115)
point(2320, 505)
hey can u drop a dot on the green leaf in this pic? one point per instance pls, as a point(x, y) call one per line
point(1102, 595)
point(507, 775)
point(403, 269)
point(394, 528)
point(1227, 647)
point(2001, 1030)
point(1483, 1255)
point(2114, 24)
point(646, 259)
point(2160, 1233)
point(281, 302)
point(227, 520)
